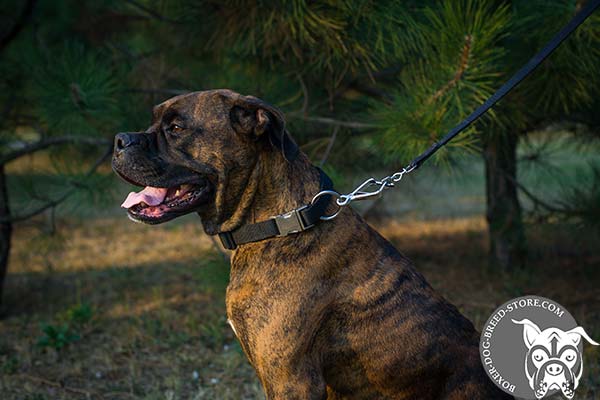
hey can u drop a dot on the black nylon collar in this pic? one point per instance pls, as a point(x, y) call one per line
point(297, 220)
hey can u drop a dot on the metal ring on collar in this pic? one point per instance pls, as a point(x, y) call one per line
point(330, 193)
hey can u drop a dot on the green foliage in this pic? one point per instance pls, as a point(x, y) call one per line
point(75, 90)
point(570, 78)
point(79, 315)
point(322, 40)
point(68, 329)
point(458, 71)
point(57, 336)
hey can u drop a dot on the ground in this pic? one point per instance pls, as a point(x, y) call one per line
point(107, 309)
point(148, 306)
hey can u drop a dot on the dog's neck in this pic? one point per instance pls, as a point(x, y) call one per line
point(274, 186)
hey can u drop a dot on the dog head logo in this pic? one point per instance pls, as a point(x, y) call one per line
point(553, 361)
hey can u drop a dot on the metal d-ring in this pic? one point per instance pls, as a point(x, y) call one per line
point(330, 193)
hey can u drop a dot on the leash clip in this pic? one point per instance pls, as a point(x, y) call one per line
point(291, 222)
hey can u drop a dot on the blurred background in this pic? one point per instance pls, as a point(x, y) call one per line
point(96, 307)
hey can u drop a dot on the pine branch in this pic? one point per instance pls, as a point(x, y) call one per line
point(48, 142)
point(53, 203)
point(19, 24)
point(460, 71)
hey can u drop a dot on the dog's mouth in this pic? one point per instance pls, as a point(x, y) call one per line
point(155, 205)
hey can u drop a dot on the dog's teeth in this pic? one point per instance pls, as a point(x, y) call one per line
point(177, 192)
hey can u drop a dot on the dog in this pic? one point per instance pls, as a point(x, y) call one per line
point(333, 312)
point(553, 361)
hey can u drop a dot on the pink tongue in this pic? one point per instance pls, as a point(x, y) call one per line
point(150, 195)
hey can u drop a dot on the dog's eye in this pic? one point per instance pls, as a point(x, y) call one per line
point(569, 355)
point(538, 355)
point(176, 129)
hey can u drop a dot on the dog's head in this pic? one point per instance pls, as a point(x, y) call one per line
point(198, 154)
point(553, 361)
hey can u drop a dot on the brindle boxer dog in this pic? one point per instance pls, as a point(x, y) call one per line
point(334, 312)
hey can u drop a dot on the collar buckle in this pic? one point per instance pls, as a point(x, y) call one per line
point(291, 222)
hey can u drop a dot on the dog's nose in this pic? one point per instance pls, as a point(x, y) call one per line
point(554, 369)
point(124, 140)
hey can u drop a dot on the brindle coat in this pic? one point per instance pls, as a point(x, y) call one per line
point(335, 312)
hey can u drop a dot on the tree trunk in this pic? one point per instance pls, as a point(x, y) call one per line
point(508, 247)
point(5, 229)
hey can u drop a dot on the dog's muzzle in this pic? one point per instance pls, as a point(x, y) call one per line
point(554, 375)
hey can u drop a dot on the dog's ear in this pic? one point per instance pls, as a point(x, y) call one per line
point(577, 333)
point(530, 331)
point(251, 115)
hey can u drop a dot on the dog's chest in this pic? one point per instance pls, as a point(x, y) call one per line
point(245, 309)
point(240, 315)
point(272, 314)
point(255, 289)
point(252, 320)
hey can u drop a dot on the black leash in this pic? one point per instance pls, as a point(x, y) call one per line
point(307, 216)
